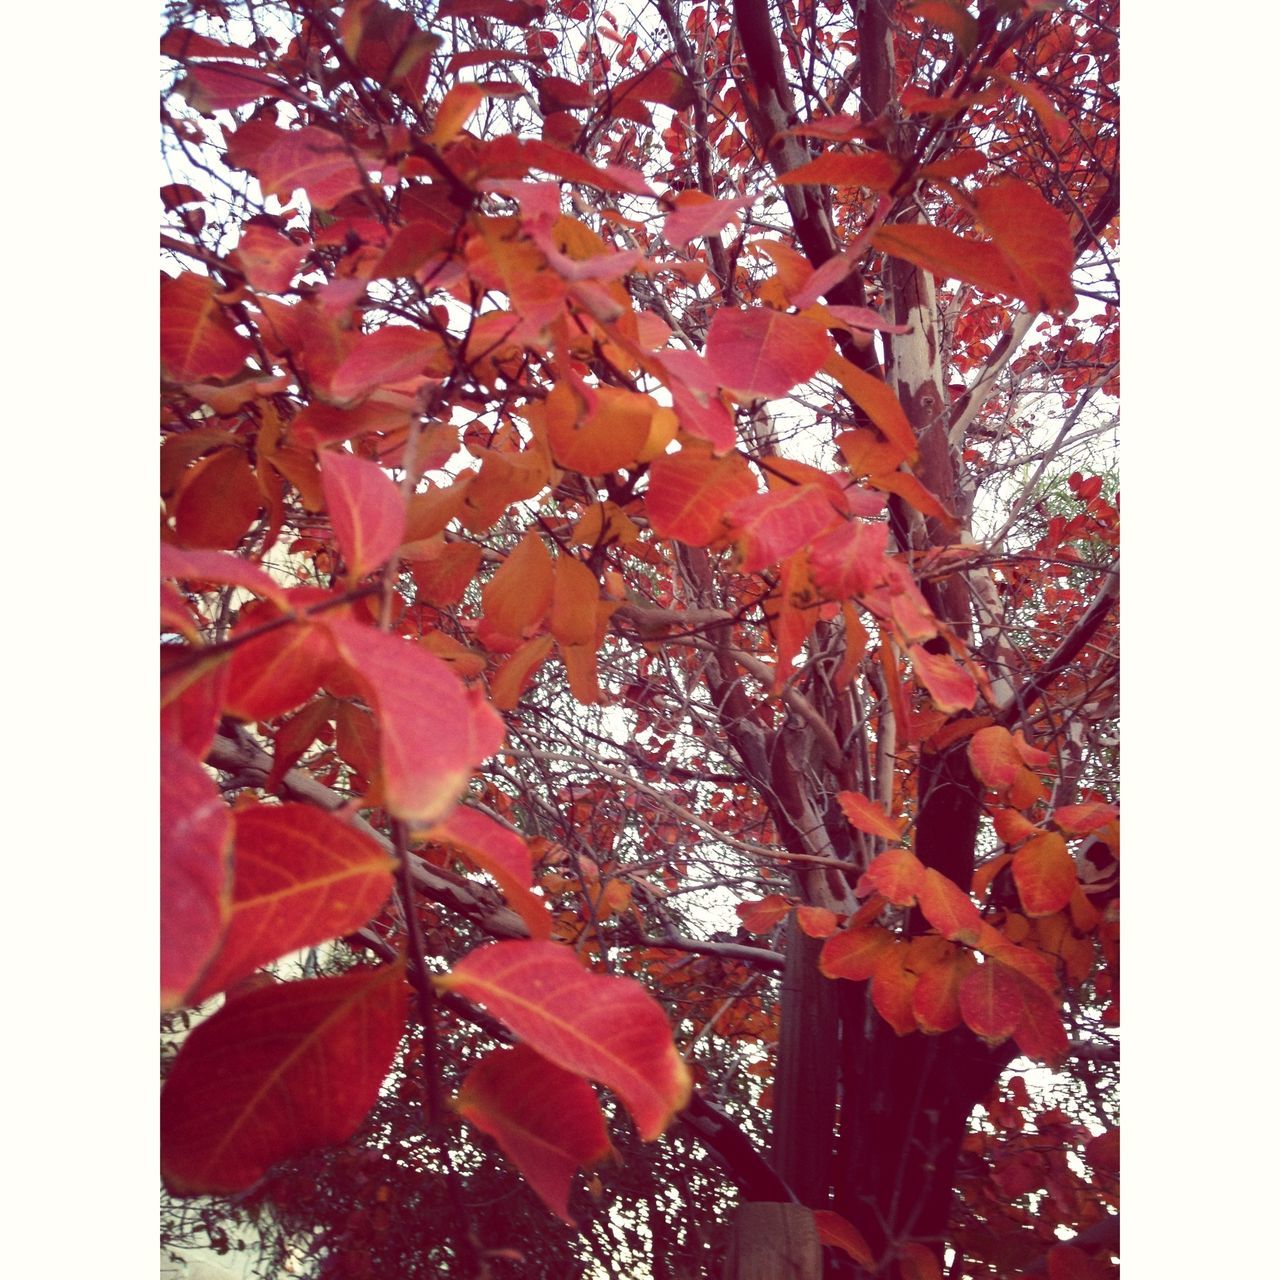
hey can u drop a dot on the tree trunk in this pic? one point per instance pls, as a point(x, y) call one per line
point(773, 1242)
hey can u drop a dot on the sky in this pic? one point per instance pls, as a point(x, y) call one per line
point(81, 753)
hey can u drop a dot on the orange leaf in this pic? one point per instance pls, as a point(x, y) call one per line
point(866, 815)
point(1045, 874)
point(512, 678)
point(1012, 826)
point(610, 434)
point(893, 989)
point(366, 509)
point(608, 1029)
point(936, 999)
point(1054, 122)
point(690, 491)
point(950, 686)
point(898, 874)
point(853, 953)
point(840, 1233)
point(501, 852)
point(432, 732)
point(948, 908)
point(875, 170)
point(948, 255)
point(762, 915)
point(1034, 239)
point(517, 597)
point(455, 109)
point(877, 399)
point(994, 756)
point(573, 602)
point(1080, 819)
point(817, 922)
point(195, 846)
point(197, 340)
point(277, 1072)
point(761, 354)
point(547, 1121)
point(301, 876)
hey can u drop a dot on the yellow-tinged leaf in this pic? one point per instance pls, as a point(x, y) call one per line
point(1045, 874)
point(866, 815)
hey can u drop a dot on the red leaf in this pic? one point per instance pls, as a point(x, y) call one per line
point(689, 493)
point(392, 354)
point(918, 1262)
point(432, 732)
point(220, 86)
point(875, 170)
point(850, 560)
point(608, 1029)
point(898, 874)
point(273, 673)
point(501, 852)
point(697, 214)
point(868, 816)
point(759, 353)
point(319, 162)
point(366, 510)
point(839, 1233)
point(990, 1002)
point(1069, 1262)
point(893, 988)
point(770, 526)
point(762, 915)
point(547, 1121)
point(1045, 874)
point(994, 756)
point(950, 686)
point(1080, 819)
point(195, 846)
point(947, 255)
point(197, 340)
point(214, 566)
point(301, 876)
point(948, 908)
point(936, 999)
point(276, 1072)
point(268, 259)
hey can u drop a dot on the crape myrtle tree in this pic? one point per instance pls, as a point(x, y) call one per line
point(640, 603)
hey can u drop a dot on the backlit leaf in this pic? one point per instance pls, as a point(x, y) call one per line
point(853, 953)
point(213, 566)
point(698, 214)
point(322, 163)
point(690, 491)
point(866, 815)
point(301, 876)
point(516, 599)
point(759, 353)
point(947, 255)
point(547, 1121)
point(770, 526)
point(1034, 239)
point(950, 686)
point(606, 1028)
point(763, 915)
point(898, 874)
point(366, 509)
point(432, 732)
point(501, 852)
point(990, 1002)
point(197, 339)
point(875, 170)
point(195, 847)
point(275, 672)
point(390, 355)
point(268, 259)
point(1080, 819)
point(277, 1072)
point(948, 908)
point(936, 999)
point(817, 922)
point(1045, 874)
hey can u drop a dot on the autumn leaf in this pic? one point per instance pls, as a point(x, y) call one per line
point(898, 874)
point(275, 672)
point(839, 1233)
point(817, 922)
point(1034, 239)
point(608, 1029)
point(195, 848)
point(990, 1002)
point(366, 509)
point(770, 526)
point(866, 815)
point(949, 685)
point(761, 354)
point(875, 170)
point(301, 876)
point(432, 732)
point(763, 915)
point(697, 214)
point(277, 1072)
point(547, 1120)
point(197, 339)
point(1045, 874)
point(948, 908)
point(853, 953)
point(690, 491)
